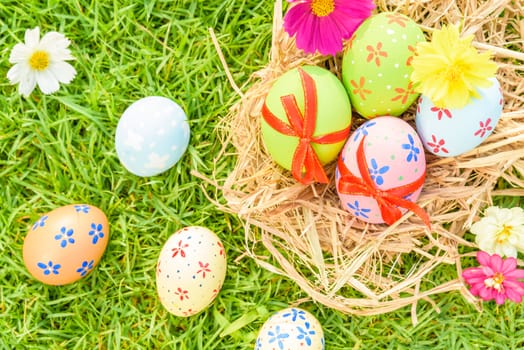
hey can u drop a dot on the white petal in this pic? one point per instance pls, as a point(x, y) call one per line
point(63, 72)
point(486, 245)
point(60, 55)
point(56, 44)
point(20, 53)
point(15, 73)
point(508, 250)
point(27, 84)
point(47, 82)
point(32, 37)
point(55, 40)
point(490, 211)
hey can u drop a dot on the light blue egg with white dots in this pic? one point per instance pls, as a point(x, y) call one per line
point(151, 136)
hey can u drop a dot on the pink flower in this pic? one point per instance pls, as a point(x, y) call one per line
point(323, 25)
point(495, 278)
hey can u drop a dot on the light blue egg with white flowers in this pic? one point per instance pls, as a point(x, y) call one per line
point(151, 136)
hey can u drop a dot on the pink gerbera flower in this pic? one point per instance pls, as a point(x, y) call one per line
point(495, 279)
point(323, 25)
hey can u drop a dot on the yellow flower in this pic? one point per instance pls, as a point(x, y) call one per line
point(449, 70)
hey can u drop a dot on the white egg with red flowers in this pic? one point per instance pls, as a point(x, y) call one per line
point(190, 270)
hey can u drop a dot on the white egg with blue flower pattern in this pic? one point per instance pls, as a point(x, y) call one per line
point(65, 244)
point(291, 329)
point(151, 136)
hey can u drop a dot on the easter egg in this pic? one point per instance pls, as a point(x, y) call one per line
point(306, 118)
point(376, 65)
point(291, 329)
point(383, 154)
point(151, 136)
point(65, 244)
point(190, 271)
point(448, 132)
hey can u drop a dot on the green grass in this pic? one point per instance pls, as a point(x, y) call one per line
point(59, 149)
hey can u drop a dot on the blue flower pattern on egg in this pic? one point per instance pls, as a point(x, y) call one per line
point(362, 130)
point(86, 266)
point(295, 330)
point(96, 232)
point(49, 268)
point(40, 222)
point(82, 208)
point(295, 314)
point(277, 336)
point(65, 237)
point(358, 211)
point(306, 333)
point(376, 172)
point(413, 150)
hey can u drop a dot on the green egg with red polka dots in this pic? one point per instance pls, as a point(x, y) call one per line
point(376, 66)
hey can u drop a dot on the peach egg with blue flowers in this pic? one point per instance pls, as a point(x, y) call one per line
point(66, 244)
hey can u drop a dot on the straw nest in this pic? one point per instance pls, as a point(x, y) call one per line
point(303, 233)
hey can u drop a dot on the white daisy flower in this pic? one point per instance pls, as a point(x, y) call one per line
point(500, 231)
point(41, 62)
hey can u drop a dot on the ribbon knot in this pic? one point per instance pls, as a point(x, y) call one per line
point(306, 166)
point(389, 200)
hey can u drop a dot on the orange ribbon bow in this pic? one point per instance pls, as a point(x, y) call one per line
point(306, 166)
point(389, 200)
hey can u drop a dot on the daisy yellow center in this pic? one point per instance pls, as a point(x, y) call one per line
point(503, 234)
point(39, 60)
point(495, 281)
point(322, 8)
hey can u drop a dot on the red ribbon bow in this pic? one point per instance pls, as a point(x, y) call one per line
point(306, 166)
point(389, 200)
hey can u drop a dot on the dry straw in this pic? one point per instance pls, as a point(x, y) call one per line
point(302, 232)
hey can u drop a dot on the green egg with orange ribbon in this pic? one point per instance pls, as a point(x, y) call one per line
point(306, 118)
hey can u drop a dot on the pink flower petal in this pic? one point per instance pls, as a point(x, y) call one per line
point(475, 289)
point(483, 258)
point(473, 272)
point(515, 274)
point(325, 34)
point(485, 293)
point(514, 296)
point(476, 280)
point(518, 287)
point(496, 263)
point(500, 298)
point(487, 271)
point(508, 265)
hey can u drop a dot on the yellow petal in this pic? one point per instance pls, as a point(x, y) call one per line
point(449, 70)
